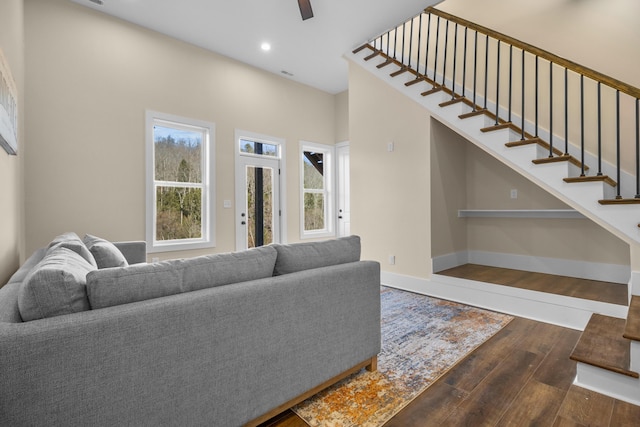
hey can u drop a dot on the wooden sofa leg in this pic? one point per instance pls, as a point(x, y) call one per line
point(373, 364)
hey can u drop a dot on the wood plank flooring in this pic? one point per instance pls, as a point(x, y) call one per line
point(595, 290)
point(520, 377)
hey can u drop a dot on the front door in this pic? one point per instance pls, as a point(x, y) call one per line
point(257, 202)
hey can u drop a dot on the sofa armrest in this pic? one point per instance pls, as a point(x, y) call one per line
point(135, 252)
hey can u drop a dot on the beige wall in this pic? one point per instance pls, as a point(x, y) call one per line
point(448, 190)
point(602, 35)
point(465, 177)
point(489, 184)
point(390, 191)
point(11, 44)
point(91, 78)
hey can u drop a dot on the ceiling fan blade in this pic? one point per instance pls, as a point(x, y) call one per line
point(305, 9)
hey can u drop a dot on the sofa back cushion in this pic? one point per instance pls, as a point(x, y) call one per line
point(304, 256)
point(106, 254)
point(72, 242)
point(55, 286)
point(138, 282)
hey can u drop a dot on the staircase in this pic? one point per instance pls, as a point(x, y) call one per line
point(608, 355)
point(453, 68)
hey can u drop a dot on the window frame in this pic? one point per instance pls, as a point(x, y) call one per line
point(207, 185)
point(328, 191)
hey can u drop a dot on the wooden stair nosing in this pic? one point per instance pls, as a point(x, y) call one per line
point(396, 73)
point(620, 201)
point(593, 178)
point(632, 325)
point(455, 100)
point(364, 46)
point(602, 345)
point(477, 112)
point(500, 126)
point(418, 79)
point(555, 159)
point(385, 63)
point(371, 56)
point(522, 142)
point(434, 89)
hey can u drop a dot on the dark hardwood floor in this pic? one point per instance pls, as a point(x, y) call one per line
point(520, 377)
point(613, 293)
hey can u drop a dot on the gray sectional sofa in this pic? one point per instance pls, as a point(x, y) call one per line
point(90, 334)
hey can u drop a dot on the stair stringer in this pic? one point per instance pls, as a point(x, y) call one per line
point(620, 220)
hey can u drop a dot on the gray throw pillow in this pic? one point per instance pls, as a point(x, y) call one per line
point(105, 253)
point(55, 286)
point(70, 240)
point(308, 255)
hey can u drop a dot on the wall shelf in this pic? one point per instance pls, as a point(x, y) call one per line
point(521, 213)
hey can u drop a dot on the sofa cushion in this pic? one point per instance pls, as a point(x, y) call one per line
point(138, 282)
point(106, 254)
point(70, 240)
point(55, 286)
point(222, 269)
point(304, 256)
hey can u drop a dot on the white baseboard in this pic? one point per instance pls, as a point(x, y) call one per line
point(559, 310)
point(563, 267)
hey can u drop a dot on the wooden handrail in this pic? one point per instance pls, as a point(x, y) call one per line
point(585, 71)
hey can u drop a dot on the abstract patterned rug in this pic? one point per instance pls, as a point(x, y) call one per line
point(422, 338)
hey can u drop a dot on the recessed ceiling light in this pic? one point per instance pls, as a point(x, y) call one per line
point(98, 2)
point(286, 73)
point(265, 46)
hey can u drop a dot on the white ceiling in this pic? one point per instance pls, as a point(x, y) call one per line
point(311, 50)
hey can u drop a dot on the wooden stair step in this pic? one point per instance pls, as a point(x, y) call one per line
point(434, 89)
point(453, 101)
point(620, 201)
point(522, 142)
point(385, 63)
point(418, 79)
point(555, 159)
point(371, 56)
point(505, 125)
point(364, 46)
point(632, 326)
point(403, 69)
point(470, 114)
point(602, 345)
point(593, 178)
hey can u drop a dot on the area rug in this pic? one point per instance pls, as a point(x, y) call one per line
point(422, 338)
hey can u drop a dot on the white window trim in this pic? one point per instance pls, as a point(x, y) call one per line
point(281, 143)
point(329, 190)
point(208, 186)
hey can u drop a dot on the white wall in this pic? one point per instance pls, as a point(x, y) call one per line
point(11, 44)
point(91, 78)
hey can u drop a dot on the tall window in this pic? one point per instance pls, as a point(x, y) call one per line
point(180, 189)
point(316, 171)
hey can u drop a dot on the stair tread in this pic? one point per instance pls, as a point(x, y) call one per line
point(561, 158)
point(477, 112)
point(602, 345)
point(632, 326)
point(592, 178)
point(619, 201)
